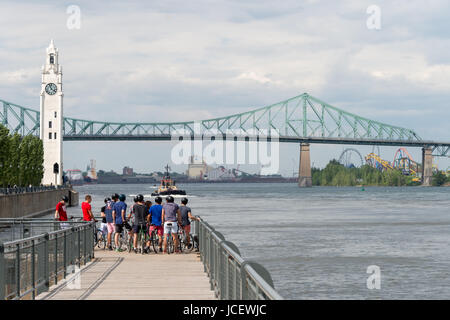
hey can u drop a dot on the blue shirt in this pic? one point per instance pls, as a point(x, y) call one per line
point(118, 207)
point(156, 212)
point(108, 211)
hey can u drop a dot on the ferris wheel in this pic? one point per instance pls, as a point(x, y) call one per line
point(351, 157)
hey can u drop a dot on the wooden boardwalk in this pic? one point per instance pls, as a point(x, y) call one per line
point(112, 275)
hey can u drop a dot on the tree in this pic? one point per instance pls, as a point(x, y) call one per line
point(439, 178)
point(4, 154)
point(14, 159)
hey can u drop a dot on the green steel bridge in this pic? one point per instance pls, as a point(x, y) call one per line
point(301, 119)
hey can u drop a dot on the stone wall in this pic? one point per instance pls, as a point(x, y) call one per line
point(33, 204)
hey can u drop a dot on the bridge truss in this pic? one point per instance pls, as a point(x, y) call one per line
point(303, 118)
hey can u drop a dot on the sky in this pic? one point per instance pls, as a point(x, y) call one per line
point(174, 60)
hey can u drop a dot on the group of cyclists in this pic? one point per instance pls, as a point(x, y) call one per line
point(143, 217)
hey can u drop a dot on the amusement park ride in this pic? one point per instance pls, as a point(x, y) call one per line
point(403, 161)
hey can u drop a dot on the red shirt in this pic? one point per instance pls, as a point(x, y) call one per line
point(85, 206)
point(61, 208)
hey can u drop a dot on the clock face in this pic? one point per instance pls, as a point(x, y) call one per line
point(51, 88)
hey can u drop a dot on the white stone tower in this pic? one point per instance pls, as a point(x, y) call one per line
point(51, 117)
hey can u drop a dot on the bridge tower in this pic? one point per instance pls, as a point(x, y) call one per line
point(51, 106)
point(304, 171)
point(427, 166)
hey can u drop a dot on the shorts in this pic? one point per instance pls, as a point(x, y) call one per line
point(187, 228)
point(119, 228)
point(170, 226)
point(138, 227)
point(110, 227)
point(159, 230)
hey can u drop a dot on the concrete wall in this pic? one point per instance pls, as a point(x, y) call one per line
point(33, 204)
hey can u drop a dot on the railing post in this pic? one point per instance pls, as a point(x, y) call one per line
point(65, 253)
point(79, 247)
point(46, 262)
point(2, 272)
point(56, 259)
point(33, 270)
point(84, 245)
point(18, 270)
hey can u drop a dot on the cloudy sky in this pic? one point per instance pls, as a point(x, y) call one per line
point(177, 60)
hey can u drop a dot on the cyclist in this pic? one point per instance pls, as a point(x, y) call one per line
point(140, 215)
point(154, 218)
point(131, 216)
point(104, 226)
point(171, 218)
point(119, 211)
point(87, 209)
point(109, 220)
point(186, 214)
point(61, 213)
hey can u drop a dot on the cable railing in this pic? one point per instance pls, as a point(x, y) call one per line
point(232, 277)
point(17, 190)
point(49, 252)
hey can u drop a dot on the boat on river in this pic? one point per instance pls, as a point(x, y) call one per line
point(167, 186)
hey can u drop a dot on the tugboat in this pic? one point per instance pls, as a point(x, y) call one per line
point(167, 186)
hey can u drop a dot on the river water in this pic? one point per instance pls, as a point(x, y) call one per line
point(317, 243)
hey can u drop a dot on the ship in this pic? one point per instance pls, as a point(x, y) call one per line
point(167, 186)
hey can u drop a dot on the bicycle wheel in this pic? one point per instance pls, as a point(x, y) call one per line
point(154, 241)
point(187, 246)
point(142, 240)
point(102, 242)
point(170, 245)
point(98, 237)
point(129, 242)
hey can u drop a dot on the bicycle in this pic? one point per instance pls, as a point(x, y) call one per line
point(142, 238)
point(154, 240)
point(100, 239)
point(170, 244)
point(123, 240)
point(185, 246)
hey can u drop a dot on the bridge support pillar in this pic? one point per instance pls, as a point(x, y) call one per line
point(304, 171)
point(427, 166)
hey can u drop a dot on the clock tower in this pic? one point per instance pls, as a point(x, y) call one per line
point(51, 107)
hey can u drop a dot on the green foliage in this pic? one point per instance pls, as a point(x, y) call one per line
point(21, 159)
point(335, 174)
point(439, 179)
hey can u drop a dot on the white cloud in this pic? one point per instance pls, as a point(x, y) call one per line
point(178, 60)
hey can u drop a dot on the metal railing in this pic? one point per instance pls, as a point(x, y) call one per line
point(232, 277)
point(16, 190)
point(31, 265)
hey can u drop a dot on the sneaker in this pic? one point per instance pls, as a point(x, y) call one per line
point(135, 250)
point(160, 249)
point(119, 250)
point(110, 248)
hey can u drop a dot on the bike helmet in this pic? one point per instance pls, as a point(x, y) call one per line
point(115, 196)
point(107, 199)
point(170, 199)
point(184, 200)
point(65, 199)
point(158, 200)
point(135, 199)
point(122, 197)
point(140, 198)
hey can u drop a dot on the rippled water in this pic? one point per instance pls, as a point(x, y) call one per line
point(317, 243)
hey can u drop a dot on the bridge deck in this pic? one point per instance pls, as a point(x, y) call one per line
point(121, 276)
